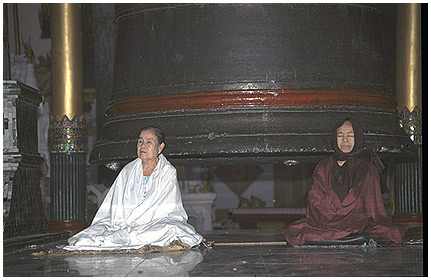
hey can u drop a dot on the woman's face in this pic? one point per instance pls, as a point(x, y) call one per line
point(148, 147)
point(346, 137)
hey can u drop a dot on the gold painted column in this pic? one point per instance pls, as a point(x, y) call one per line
point(67, 132)
point(408, 172)
point(409, 66)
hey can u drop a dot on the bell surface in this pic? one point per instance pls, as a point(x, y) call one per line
point(249, 83)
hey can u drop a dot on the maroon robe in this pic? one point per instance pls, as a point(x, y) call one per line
point(327, 218)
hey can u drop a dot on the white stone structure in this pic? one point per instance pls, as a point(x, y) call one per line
point(199, 206)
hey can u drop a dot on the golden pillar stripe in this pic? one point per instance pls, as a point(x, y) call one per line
point(67, 60)
point(408, 72)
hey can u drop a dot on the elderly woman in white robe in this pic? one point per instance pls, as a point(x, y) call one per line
point(143, 206)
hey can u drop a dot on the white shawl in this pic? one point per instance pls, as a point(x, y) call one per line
point(126, 220)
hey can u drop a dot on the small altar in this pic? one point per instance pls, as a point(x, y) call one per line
point(199, 209)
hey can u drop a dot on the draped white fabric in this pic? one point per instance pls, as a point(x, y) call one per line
point(126, 220)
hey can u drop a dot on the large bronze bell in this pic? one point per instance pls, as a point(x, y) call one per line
point(248, 83)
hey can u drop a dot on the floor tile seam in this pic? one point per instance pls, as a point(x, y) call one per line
point(264, 264)
point(240, 271)
point(133, 269)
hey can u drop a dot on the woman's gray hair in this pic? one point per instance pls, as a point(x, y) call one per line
point(160, 135)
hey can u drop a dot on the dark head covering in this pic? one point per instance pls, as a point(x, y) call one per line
point(356, 165)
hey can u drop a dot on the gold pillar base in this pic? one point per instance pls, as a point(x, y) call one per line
point(412, 123)
point(67, 135)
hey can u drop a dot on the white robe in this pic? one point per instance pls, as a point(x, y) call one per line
point(126, 220)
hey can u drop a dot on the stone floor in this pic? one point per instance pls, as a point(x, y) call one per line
point(224, 260)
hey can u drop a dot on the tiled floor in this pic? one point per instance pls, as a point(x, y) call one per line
point(226, 261)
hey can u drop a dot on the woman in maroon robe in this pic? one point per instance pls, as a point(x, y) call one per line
point(345, 198)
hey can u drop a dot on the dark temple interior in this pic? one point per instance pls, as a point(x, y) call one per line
point(247, 95)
